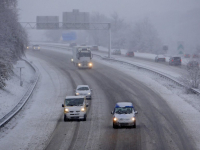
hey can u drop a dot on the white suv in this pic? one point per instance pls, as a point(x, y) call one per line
point(75, 107)
point(124, 115)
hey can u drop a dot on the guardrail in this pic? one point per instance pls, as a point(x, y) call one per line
point(24, 99)
point(196, 91)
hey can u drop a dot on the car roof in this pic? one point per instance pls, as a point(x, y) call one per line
point(82, 86)
point(69, 97)
point(124, 104)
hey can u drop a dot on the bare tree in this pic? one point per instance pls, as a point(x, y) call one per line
point(144, 37)
point(99, 37)
point(192, 79)
point(13, 39)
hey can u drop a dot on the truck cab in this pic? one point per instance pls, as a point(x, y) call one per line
point(82, 57)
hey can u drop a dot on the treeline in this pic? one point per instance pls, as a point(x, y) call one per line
point(13, 39)
point(138, 36)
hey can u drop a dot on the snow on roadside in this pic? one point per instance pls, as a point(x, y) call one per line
point(13, 92)
point(186, 106)
point(33, 126)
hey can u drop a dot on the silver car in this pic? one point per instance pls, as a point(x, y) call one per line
point(84, 90)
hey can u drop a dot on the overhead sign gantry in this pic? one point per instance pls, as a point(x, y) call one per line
point(74, 20)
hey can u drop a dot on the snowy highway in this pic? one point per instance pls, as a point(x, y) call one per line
point(40, 124)
point(158, 127)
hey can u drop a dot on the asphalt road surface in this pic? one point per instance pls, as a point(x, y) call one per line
point(158, 128)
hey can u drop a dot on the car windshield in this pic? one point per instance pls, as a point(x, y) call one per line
point(83, 88)
point(74, 102)
point(123, 110)
point(177, 58)
point(85, 54)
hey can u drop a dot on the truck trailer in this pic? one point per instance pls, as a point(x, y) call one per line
point(82, 57)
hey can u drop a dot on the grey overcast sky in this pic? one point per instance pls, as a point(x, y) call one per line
point(128, 9)
point(175, 20)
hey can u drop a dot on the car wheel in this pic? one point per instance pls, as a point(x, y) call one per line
point(85, 118)
point(65, 118)
point(134, 126)
point(114, 126)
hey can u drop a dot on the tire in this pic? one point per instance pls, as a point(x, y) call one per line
point(85, 118)
point(65, 118)
point(134, 126)
point(114, 126)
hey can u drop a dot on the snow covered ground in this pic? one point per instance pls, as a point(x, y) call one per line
point(32, 127)
point(13, 92)
point(28, 131)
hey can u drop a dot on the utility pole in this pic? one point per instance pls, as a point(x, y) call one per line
point(21, 82)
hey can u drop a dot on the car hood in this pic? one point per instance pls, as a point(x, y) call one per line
point(83, 92)
point(74, 108)
point(126, 116)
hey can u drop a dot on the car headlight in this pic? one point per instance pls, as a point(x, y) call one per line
point(77, 93)
point(114, 119)
point(66, 110)
point(89, 93)
point(79, 64)
point(27, 47)
point(90, 64)
point(82, 109)
point(72, 60)
point(133, 119)
point(38, 47)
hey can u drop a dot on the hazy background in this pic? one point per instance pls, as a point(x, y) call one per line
point(175, 20)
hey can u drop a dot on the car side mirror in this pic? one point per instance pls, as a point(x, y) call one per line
point(62, 105)
point(136, 112)
point(87, 104)
point(112, 112)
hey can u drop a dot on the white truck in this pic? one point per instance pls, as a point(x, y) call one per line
point(82, 56)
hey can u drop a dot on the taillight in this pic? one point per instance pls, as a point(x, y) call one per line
point(172, 60)
point(181, 60)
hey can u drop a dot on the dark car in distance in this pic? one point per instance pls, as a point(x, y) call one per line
point(187, 55)
point(116, 52)
point(175, 61)
point(72, 44)
point(130, 54)
point(193, 65)
point(160, 58)
point(94, 48)
point(195, 56)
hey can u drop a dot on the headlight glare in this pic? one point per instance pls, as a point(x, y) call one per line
point(89, 93)
point(133, 119)
point(77, 93)
point(79, 64)
point(115, 119)
point(82, 109)
point(66, 110)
